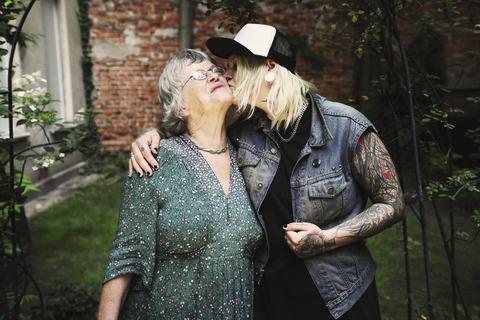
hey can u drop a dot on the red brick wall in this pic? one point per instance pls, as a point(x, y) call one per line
point(126, 86)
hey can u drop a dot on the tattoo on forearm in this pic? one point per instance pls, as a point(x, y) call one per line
point(312, 244)
point(374, 170)
point(144, 132)
point(147, 130)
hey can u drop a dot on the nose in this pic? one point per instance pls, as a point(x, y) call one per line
point(212, 76)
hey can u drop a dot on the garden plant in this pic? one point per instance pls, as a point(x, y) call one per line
point(28, 103)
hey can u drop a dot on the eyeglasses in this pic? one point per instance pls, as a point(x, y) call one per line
point(202, 74)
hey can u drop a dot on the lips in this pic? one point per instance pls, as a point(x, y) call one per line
point(218, 86)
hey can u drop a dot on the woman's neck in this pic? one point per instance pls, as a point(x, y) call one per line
point(208, 134)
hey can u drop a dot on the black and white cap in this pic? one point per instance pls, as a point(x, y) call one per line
point(256, 40)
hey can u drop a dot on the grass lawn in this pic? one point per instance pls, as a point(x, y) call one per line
point(387, 250)
point(72, 240)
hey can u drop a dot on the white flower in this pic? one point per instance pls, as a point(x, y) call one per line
point(61, 155)
point(30, 77)
point(43, 80)
point(34, 168)
point(45, 164)
point(37, 92)
point(51, 161)
point(37, 74)
point(33, 108)
point(23, 82)
point(33, 120)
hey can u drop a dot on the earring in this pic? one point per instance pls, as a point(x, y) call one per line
point(270, 78)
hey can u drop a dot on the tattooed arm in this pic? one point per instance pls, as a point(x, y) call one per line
point(373, 169)
point(142, 150)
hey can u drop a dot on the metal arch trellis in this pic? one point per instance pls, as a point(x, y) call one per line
point(420, 215)
point(11, 212)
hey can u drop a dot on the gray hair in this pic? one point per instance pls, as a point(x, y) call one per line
point(170, 89)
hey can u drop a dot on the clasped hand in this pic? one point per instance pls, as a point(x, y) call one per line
point(306, 239)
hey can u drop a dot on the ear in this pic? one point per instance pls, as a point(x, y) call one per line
point(272, 69)
point(185, 111)
point(272, 66)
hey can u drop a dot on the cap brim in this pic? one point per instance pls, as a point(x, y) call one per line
point(224, 47)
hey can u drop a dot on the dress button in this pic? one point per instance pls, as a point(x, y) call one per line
point(273, 151)
point(240, 160)
point(260, 186)
point(330, 190)
point(316, 163)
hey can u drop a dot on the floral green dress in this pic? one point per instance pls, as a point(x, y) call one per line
point(189, 246)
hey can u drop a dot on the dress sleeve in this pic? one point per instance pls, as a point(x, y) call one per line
point(133, 249)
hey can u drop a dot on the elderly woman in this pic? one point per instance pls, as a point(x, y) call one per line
point(309, 165)
point(186, 236)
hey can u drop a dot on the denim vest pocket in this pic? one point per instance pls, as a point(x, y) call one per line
point(247, 161)
point(328, 199)
point(249, 164)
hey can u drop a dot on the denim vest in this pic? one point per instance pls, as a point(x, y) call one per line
point(323, 192)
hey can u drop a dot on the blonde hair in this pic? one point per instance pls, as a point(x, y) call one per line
point(285, 97)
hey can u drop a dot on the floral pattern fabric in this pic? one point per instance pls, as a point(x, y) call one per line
point(189, 246)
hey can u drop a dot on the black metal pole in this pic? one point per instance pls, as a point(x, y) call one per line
point(415, 153)
point(11, 210)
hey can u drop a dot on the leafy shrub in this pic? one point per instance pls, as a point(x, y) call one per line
point(63, 300)
point(109, 165)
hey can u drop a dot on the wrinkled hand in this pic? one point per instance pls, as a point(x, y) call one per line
point(142, 150)
point(306, 239)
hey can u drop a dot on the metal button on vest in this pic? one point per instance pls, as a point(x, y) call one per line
point(331, 190)
point(273, 151)
point(316, 163)
point(260, 186)
point(240, 160)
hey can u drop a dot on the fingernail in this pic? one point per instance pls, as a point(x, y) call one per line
point(156, 149)
point(155, 167)
point(149, 173)
point(139, 174)
point(284, 226)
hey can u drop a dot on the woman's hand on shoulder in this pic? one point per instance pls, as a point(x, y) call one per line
point(142, 153)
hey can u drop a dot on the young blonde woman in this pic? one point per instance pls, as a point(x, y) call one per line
point(309, 165)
